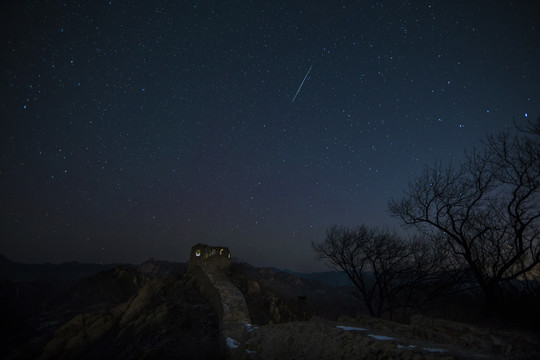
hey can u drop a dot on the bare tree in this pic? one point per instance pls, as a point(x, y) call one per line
point(487, 210)
point(531, 127)
point(389, 272)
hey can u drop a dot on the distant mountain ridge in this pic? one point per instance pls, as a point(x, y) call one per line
point(332, 278)
point(72, 270)
point(13, 271)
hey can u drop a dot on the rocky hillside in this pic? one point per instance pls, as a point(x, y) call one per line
point(155, 311)
point(369, 338)
point(127, 312)
point(32, 311)
point(276, 297)
point(164, 319)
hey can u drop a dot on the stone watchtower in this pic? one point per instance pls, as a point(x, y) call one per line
point(209, 265)
point(216, 257)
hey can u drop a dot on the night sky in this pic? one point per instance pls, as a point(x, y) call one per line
point(136, 129)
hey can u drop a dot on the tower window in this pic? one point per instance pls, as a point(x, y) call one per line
point(198, 252)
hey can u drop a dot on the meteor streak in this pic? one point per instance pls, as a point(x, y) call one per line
point(305, 77)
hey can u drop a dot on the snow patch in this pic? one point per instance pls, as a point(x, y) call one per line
point(380, 337)
point(232, 344)
point(410, 347)
point(251, 351)
point(350, 328)
point(434, 350)
point(250, 328)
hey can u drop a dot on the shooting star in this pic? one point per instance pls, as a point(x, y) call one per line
point(305, 77)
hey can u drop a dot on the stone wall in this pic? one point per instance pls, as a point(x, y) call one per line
point(224, 297)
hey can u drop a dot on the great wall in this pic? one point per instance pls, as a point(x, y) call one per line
point(209, 264)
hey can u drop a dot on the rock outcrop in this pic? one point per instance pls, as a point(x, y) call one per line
point(167, 317)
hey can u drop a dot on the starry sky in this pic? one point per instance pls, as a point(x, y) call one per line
point(136, 129)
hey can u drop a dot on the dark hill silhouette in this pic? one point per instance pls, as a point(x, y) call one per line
point(13, 271)
point(332, 278)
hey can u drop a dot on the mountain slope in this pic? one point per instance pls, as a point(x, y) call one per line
point(164, 318)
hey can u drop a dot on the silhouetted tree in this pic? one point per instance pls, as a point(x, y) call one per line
point(389, 272)
point(487, 210)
